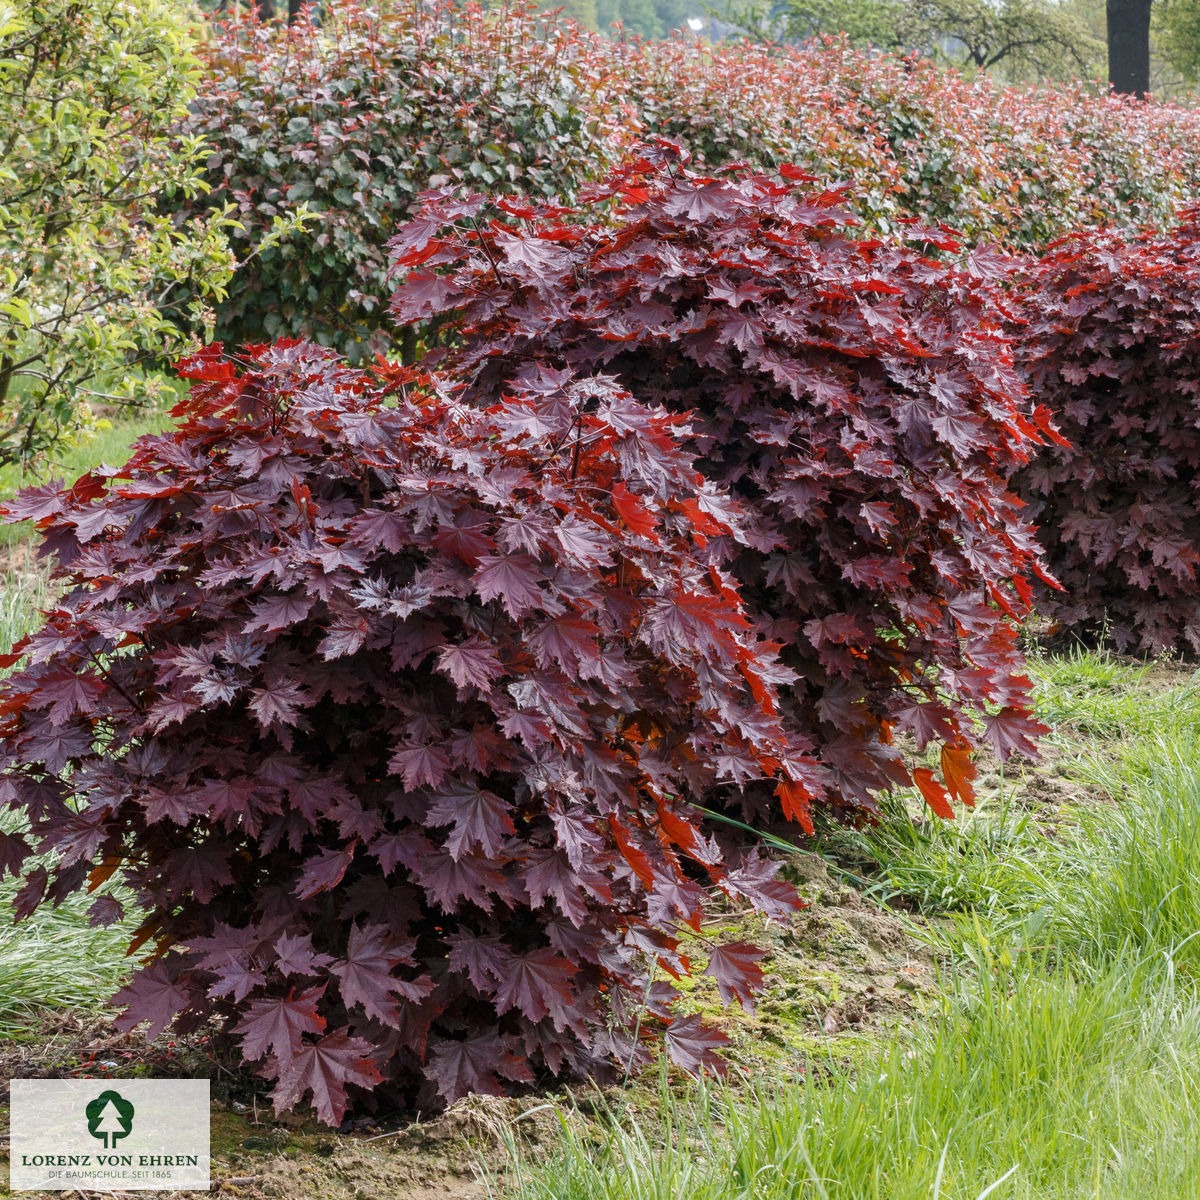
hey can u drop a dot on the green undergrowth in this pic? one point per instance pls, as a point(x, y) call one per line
point(25, 590)
point(54, 961)
point(1059, 1059)
point(1032, 1082)
point(24, 584)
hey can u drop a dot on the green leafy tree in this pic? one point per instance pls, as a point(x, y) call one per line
point(94, 276)
point(1024, 38)
point(638, 16)
point(673, 14)
point(1177, 36)
point(583, 11)
point(1018, 39)
point(880, 23)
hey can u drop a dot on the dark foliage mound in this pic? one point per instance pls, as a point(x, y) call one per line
point(353, 116)
point(858, 397)
point(384, 708)
point(1111, 344)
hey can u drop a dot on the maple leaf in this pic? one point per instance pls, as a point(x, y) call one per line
point(534, 256)
point(959, 772)
point(297, 957)
point(582, 542)
point(419, 764)
point(549, 875)
point(474, 1064)
point(513, 579)
point(30, 893)
point(634, 854)
point(448, 880)
point(279, 612)
point(928, 722)
point(279, 704)
point(479, 818)
point(277, 1025)
point(537, 983)
point(569, 641)
point(345, 638)
point(472, 663)
point(155, 995)
point(169, 805)
point(70, 694)
point(483, 959)
point(366, 971)
point(935, 795)
point(200, 869)
point(693, 1045)
point(735, 968)
point(633, 512)
point(324, 871)
point(14, 850)
point(742, 330)
point(677, 829)
point(421, 295)
point(795, 800)
point(1011, 731)
point(324, 1069)
point(755, 880)
point(105, 911)
point(236, 979)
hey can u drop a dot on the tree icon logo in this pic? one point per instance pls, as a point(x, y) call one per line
point(109, 1117)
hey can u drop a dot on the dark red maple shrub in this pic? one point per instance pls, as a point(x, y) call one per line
point(858, 397)
point(1110, 342)
point(384, 708)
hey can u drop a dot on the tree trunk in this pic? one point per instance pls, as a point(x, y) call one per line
point(1129, 46)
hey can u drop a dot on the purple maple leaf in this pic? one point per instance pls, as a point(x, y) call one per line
point(297, 957)
point(276, 1025)
point(480, 818)
point(693, 1045)
point(472, 663)
point(473, 1065)
point(538, 984)
point(735, 968)
point(156, 995)
point(324, 1068)
point(366, 972)
point(324, 871)
point(513, 579)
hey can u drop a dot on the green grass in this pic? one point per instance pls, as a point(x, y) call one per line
point(53, 961)
point(24, 587)
point(1032, 1083)
point(1064, 1060)
point(24, 592)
